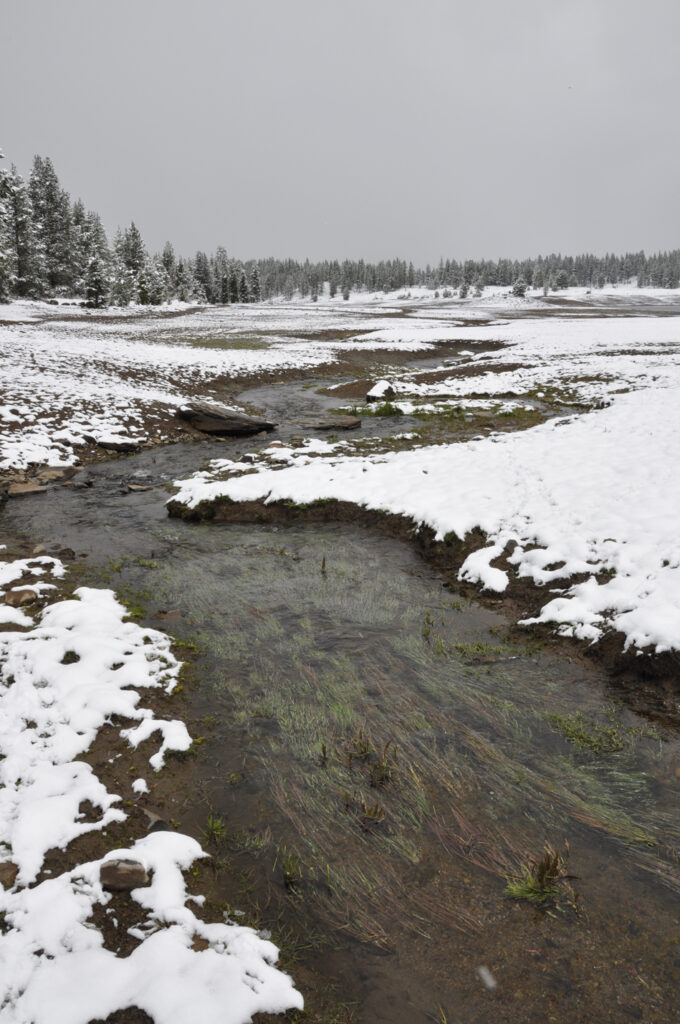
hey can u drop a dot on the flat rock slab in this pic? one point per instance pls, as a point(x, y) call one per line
point(331, 423)
point(115, 444)
point(17, 598)
point(14, 490)
point(218, 419)
point(122, 875)
point(50, 475)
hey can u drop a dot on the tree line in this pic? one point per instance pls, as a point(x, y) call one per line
point(51, 245)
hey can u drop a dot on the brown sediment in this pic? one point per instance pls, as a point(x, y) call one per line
point(522, 599)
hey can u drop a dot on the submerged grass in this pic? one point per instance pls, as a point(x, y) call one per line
point(374, 754)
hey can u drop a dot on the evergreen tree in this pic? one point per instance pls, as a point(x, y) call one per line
point(133, 250)
point(52, 218)
point(255, 289)
point(7, 252)
point(123, 284)
point(243, 290)
point(30, 269)
point(184, 282)
point(169, 261)
point(96, 283)
point(80, 249)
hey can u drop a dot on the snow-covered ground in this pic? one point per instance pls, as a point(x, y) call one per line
point(62, 381)
point(53, 962)
point(591, 494)
point(67, 375)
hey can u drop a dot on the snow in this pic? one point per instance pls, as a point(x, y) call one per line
point(53, 964)
point(379, 388)
point(590, 494)
point(68, 379)
point(56, 970)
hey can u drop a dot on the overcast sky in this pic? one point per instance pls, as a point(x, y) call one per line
point(355, 128)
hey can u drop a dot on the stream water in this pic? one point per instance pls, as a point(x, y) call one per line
point(382, 758)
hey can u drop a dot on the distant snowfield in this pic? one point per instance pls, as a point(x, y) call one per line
point(63, 380)
point(53, 964)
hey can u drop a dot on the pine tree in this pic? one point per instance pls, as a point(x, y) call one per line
point(184, 282)
point(243, 290)
point(255, 288)
point(30, 269)
point(123, 284)
point(133, 250)
point(169, 261)
point(52, 218)
point(96, 283)
point(7, 252)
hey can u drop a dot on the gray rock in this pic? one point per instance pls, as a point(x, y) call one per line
point(217, 419)
point(112, 445)
point(382, 391)
point(122, 875)
point(333, 423)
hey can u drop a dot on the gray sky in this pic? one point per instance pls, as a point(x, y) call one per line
point(355, 128)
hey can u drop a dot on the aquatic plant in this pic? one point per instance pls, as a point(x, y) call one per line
point(543, 879)
point(215, 829)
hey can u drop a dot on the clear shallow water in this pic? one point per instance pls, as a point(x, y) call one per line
point(384, 871)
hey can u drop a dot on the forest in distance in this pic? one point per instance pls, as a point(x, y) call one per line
point(51, 245)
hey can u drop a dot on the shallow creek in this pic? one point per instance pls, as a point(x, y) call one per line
point(381, 758)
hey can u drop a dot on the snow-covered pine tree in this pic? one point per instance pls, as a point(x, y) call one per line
point(243, 289)
point(133, 250)
point(169, 262)
point(96, 283)
point(30, 267)
point(255, 288)
point(52, 218)
point(80, 248)
point(123, 284)
point(7, 253)
point(184, 282)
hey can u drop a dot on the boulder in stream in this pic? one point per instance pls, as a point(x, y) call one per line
point(381, 391)
point(331, 423)
point(216, 419)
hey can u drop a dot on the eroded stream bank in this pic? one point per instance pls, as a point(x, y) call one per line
point(377, 756)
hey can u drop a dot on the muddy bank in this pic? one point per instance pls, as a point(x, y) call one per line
point(521, 600)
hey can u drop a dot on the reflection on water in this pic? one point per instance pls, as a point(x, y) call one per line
point(382, 759)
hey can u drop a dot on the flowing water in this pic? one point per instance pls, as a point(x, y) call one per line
point(382, 758)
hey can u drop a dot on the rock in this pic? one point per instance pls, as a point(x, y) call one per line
point(380, 392)
point(16, 598)
point(50, 474)
point(139, 487)
point(16, 489)
point(122, 875)
point(117, 444)
point(39, 549)
point(333, 423)
point(217, 419)
point(8, 874)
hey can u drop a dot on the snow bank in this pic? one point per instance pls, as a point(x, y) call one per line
point(592, 494)
point(61, 680)
point(55, 969)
